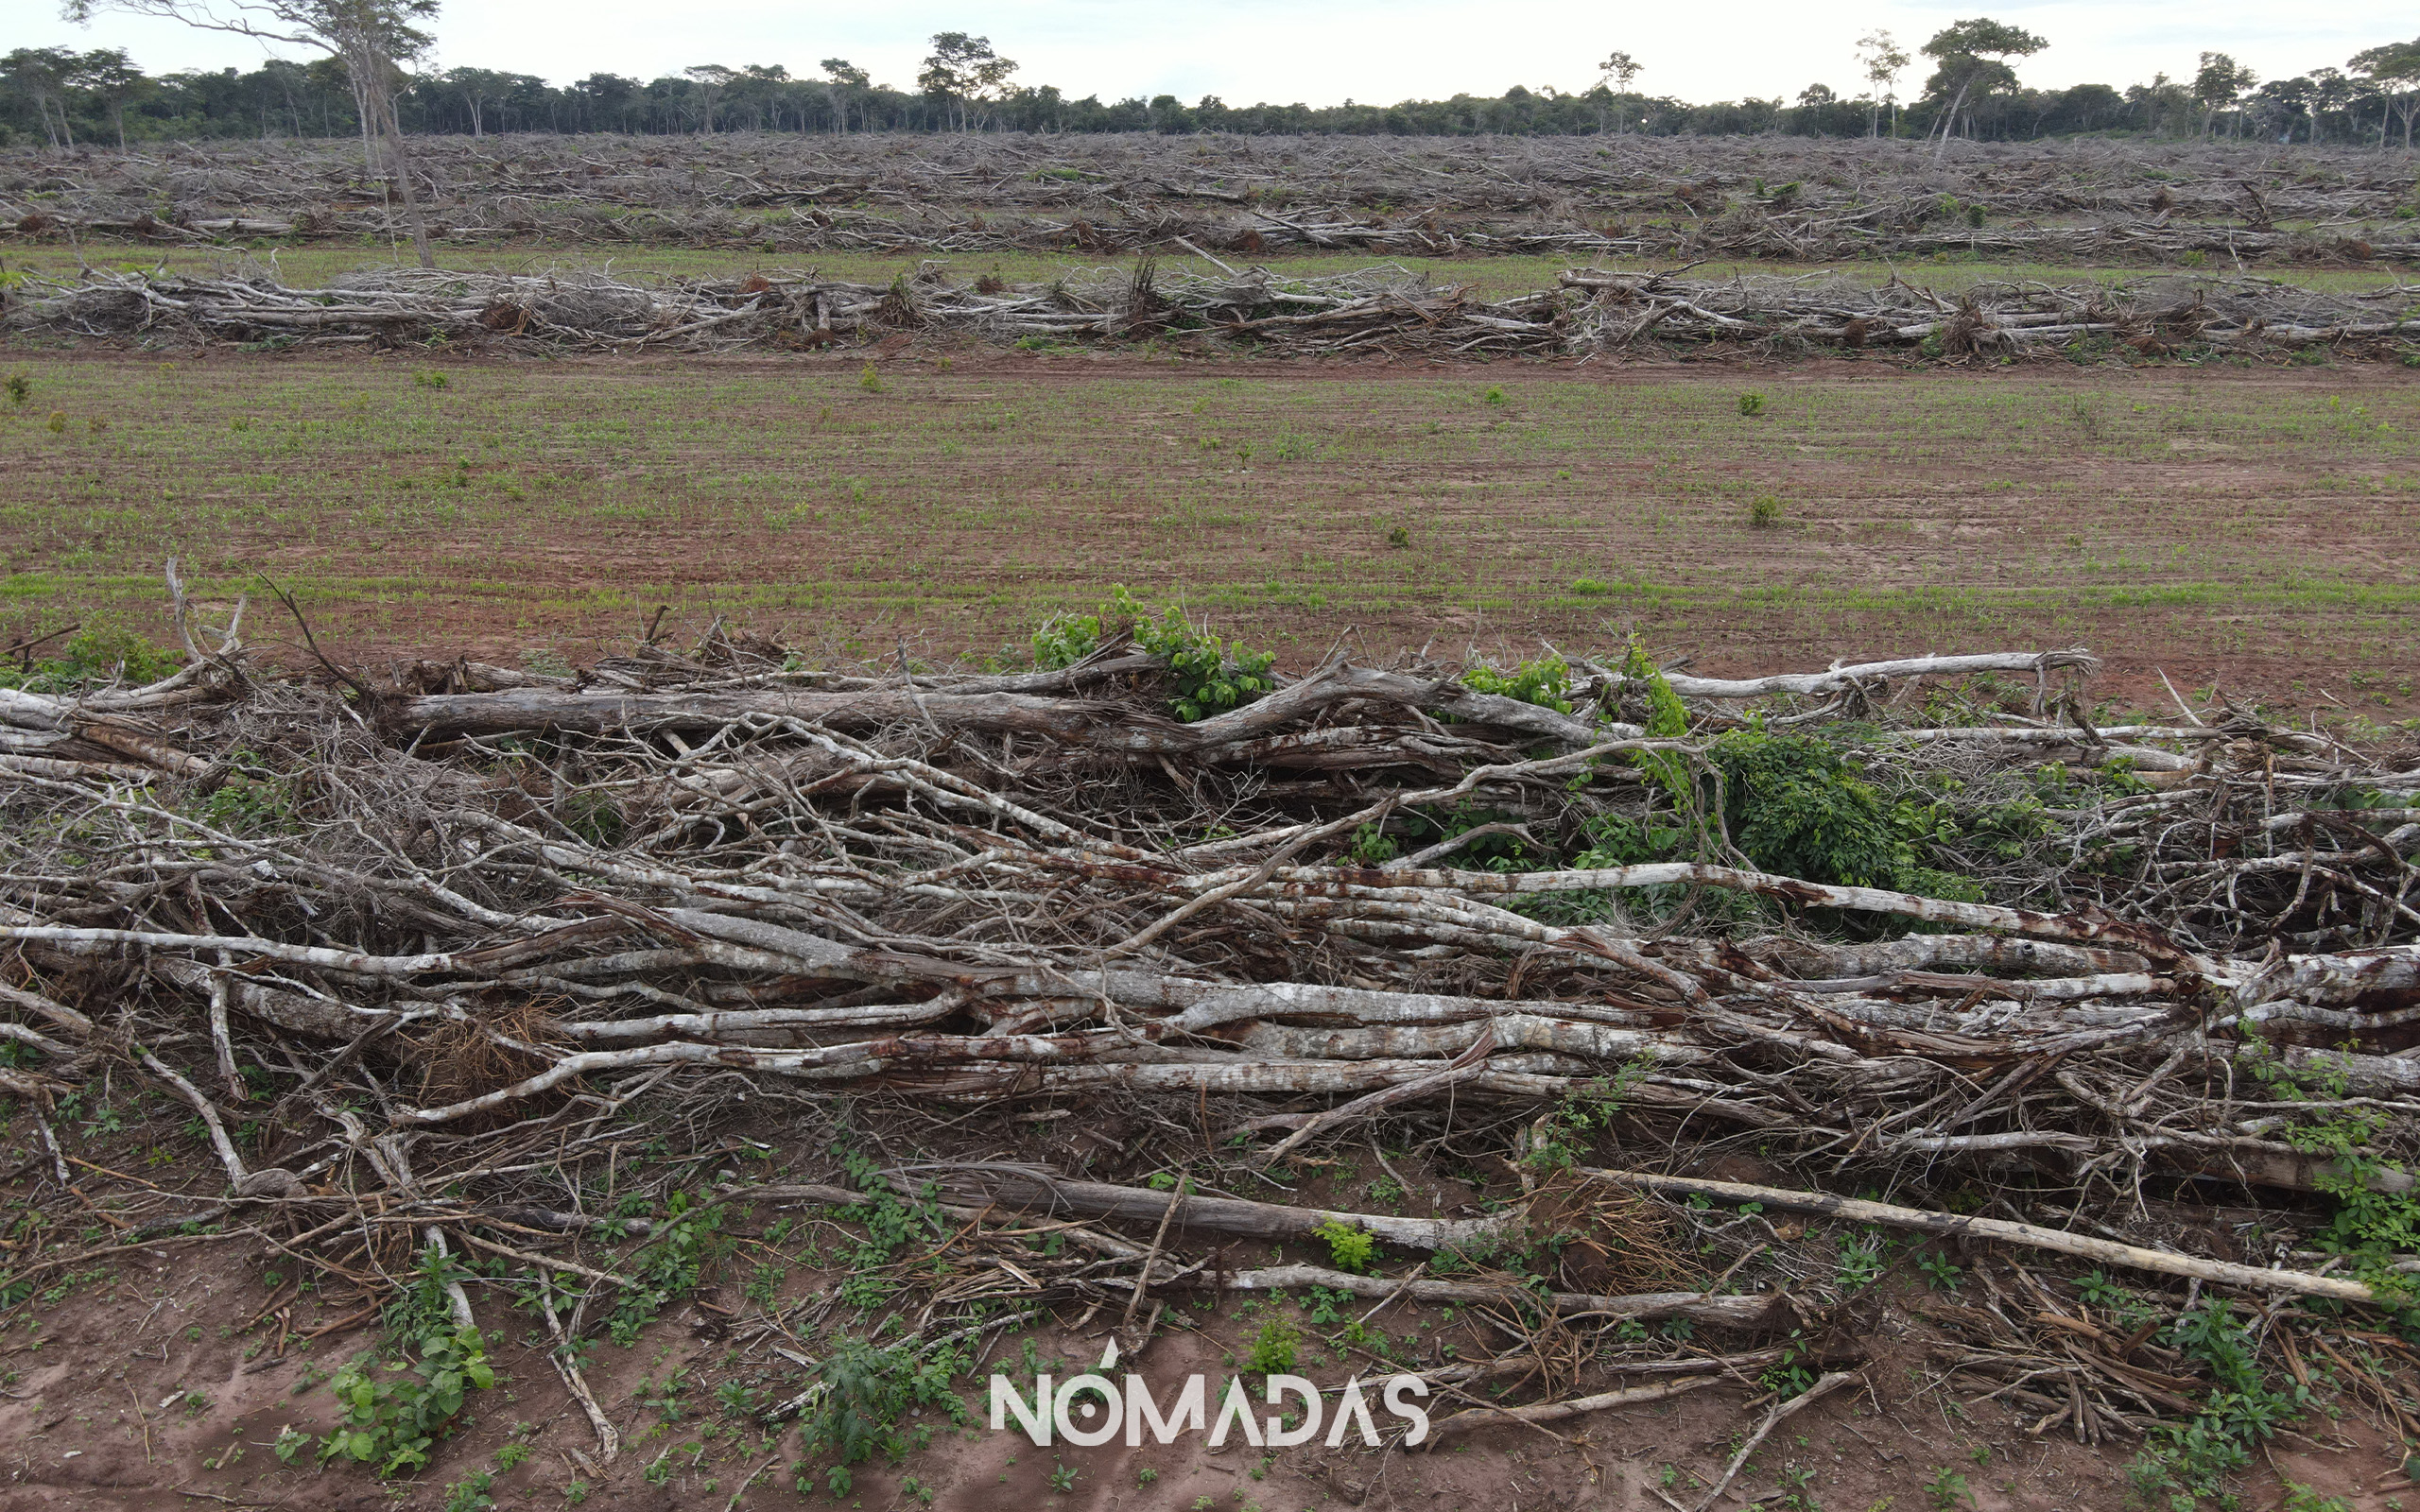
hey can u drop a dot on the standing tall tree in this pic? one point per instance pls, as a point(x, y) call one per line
point(962, 71)
point(2219, 83)
point(1878, 53)
point(849, 82)
point(41, 75)
point(2396, 70)
point(1619, 69)
point(1970, 53)
point(108, 76)
point(711, 79)
point(373, 38)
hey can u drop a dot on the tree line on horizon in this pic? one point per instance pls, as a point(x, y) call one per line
point(60, 97)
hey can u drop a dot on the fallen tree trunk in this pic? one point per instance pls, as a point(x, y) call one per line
point(2103, 1251)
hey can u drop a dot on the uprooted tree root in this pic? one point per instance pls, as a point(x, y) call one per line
point(421, 952)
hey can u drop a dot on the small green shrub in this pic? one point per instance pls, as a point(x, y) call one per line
point(1373, 846)
point(1752, 404)
point(471, 1495)
point(1590, 586)
point(1494, 396)
point(97, 655)
point(870, 381)
point(1796, 806)
point(1065, 640)
point(1544, 682)
point(1350, 1248)
point(1764, 511)
point(864, 1391)
point(1272, 1352)
point(20, 387)
point(428, 379)
point(689, 1236)
point(392, 1414)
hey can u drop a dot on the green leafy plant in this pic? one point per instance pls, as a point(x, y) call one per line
point(20, 387)
point(1752, 404)
point(1348, 1248)
point(1790, 1376)
point(427, 379)
point(1273, 1351)
point(1372, 846)
point(870, 381)
point(1798, 806)
point(471, 1495)
point(688, 1237)
point(1065, 640)
point(1947, 1488)
point(1862, 1262)
point(1545, 682)
point(392, 1415)
point(1764, 511)
point(1559, 1140)
point(2196, 1458)
point(1940, 1272)
point(860, 1392)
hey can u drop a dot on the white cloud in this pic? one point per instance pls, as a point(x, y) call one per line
point(1285, 50)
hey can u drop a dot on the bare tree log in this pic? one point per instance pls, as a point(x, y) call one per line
point(2107, 1252)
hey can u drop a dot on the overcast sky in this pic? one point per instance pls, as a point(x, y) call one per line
point(1321, 52)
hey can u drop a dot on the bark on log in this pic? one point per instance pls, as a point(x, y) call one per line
point(2107, 1252)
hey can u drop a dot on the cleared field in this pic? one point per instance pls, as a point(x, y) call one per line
point(2258, 527)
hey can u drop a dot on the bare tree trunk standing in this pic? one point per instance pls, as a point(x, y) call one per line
point(391, 126)
point(368, 36)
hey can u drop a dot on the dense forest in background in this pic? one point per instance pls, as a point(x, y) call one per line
point(60, 97)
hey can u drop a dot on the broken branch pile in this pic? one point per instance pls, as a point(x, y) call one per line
point(521, 895)
point(1385, 310)
point(414, 948)
point(1793, 198)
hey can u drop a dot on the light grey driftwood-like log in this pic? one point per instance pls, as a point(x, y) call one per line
point(1073, 722)
point(1023, 1190)
point(2058, 1240)
point(1701, 1307)
point(1836, 679)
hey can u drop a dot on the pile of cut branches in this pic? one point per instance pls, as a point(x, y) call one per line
point(1785, 198)
point(1923, 927)
point(1384, 310)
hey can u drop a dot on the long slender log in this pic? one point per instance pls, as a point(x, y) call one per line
point(1018, 1191)
point(1701, 1307)
point(1839, 678)
point(2102, 1252)
point(1095, 725)
point(1548, 1412)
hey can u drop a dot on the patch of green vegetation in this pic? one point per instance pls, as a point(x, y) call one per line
point(860, 1393)
point(392, 1411)
point(688, 1237)
point(2194, 1460)
point(1545, 682)
point(1348, 1248)
point(1274, 1347)
point(92, 657)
